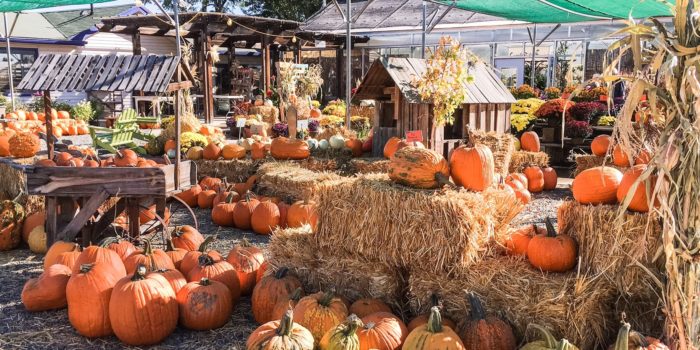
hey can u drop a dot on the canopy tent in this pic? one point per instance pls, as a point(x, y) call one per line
point(22, 5)
point(565, 11)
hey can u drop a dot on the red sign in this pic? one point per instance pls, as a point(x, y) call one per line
point(414, 136)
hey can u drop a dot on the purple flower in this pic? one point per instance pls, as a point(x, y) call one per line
point(313, 125)
point(281, 129)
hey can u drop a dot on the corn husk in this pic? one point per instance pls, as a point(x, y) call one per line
point(374, 218)
point(270, 114)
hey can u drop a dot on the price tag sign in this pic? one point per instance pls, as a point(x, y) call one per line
point(240, 123)
point(414, 136)
point(303, 124)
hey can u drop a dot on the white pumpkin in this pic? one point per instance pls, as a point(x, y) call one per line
point(269, 103)
point(323, 144)
point(337, 142)
point(195, 153)
point(172, 153)
point(313, 143)
point(37, 240)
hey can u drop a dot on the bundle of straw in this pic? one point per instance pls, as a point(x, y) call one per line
point(521, 159)
point(319, 164)
point(502, 146)
point(353, 278)
point(586, 161)
point(437, 230)
point(366, 166)
point(237, 170)
point(620, 251)
point(578, 308)
point(292, 182)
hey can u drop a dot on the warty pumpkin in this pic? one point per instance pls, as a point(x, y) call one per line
point(302, 213)
point(552, 252)
point(222, 214)
point(283, 305)
point(121, 246)
point(57, 249)
point(638, 200)
point(265, 217)
point(530, 141)
point(381, 331)
point(153, 259)
point(391, 147)
point(24, 145)
point(246, 259)
point(631, 340)
point(204, 305)
point(88, 292)
point(98, 253)
point(243, 211)
point(546, 340)
point(596, 185)
point(48, 291)
point(186, 237)
point(550, 178)
point(419, 168)
point(269, 291)
point(232, 151)
point(343, 336)
point(283, 148)
point(175, 254)
point(472, 167)
point(620, 157)
point(281, 335)
point(189, 196)
point(486, 332)
point(11, 218)
point(143, 308)
point(600, 145)
point(220, 271)
point(320, 312)
point(433, 336)
point(365, 306)
point(191, 259)
point(535, 179)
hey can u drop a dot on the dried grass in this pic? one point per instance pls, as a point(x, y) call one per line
point(586, 161)
point(520, 159)
point(437, 230)
point(14, 185)
point(292, 182)
point(233, 170)
point(320, 164)
point(502, 146)
point(270, 114)
point(367, 166)
point(575, 307)
point(295, 248)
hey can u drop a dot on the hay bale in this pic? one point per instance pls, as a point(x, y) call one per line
point(367, 166)
point(346, 275)
point(14, 184)
point(520, 159)
point(270, 114)
point(574, 307)
point(237, 170)
point(438, 230)
point(320, 164)
point(292, 182)
point(587, 161)
point(502, 146)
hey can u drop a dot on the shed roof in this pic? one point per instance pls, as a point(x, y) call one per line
point(387, 71)
point(51, 72)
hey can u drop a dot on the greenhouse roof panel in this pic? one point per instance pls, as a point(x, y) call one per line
point(22, 5)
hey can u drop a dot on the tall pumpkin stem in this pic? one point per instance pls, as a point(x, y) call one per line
point(326, 299)
point(548, 338)
point(205, 260)
point(148, 250)
point(296, 294)
point(622, 342)
point(477, 309)
point(85, 268)
point(435, 320)
point(551, 231)
point(281, 273)
point(286, 324)
point(353, 323)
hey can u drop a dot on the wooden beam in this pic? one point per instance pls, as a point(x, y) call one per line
point(389, 90)
point(86, 212)
point(268, 62)
point(178, 86)
point(49, 123)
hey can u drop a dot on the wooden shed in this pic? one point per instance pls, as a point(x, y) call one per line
point(399, 108)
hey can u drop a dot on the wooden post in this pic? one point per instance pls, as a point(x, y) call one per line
point(297, 52)
point(177, 130)
point(268, 63)
point(51, 220)
point(210, 79)
point(132, 210)
point(263, 63)
point(136, 42)
point(49, 123)
point(339, 72)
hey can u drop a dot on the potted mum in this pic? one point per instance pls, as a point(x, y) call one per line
point(578, 131)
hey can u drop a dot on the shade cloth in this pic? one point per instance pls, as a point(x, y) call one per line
point(21, 5)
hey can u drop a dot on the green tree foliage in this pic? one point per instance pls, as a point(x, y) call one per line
point(295, 10)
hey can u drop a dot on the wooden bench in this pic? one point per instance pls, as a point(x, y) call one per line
point(123, 133)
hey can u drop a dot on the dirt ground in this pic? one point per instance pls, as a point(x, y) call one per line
point(20, 329)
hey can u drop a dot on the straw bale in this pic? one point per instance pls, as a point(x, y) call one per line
point(372, 165)
point(320, 164)
point(374, 218)
point(608, 248)
point(237, 170)
point(270, 114)
point(292, 182)
point(295, 248)
point(520, 159)
point(502, 146)
point(14, 183)
point(587, 161)
point(573, 306)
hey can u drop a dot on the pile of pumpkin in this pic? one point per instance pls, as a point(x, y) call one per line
point(471, 167)
point(125, 158)
point(601, 144)
point(237, 206)
point(117, 288)
point(32, 122)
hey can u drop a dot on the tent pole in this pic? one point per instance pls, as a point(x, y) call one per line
point(348, 63)
point(9, 60)
point(532, 64)
point(422, 39)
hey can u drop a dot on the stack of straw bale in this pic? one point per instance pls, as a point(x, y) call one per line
point(437, 230)
point(14, 183)
point(292, 182)
point(502, 146)
point(587, 161)
point(521, 159)
point(573, 306)
point(296, 249)
point(366, 166)
point(237, 170)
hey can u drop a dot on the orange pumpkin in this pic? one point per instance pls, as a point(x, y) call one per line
point(176, 255)
point(319, 313)
point(187, 237)
point(283, 148)
point(600, 145)
point(45, 163)
point(126, 158)
point(217, 270)
point(174, 278)
point(472, 167)
point(88, 292)
point(204, 305)
point(100, 253)
point(391, 147)
point(265, 217)
point(4, 146)
point(284, 209)
point(205, 199)
point(482, 331)
point(55, 250)
point(620, 157)
point(552, 252)
point(48, 291)
point(535, 179)
point(367, 306)
point(122, 247)
point(190, 195)
point(233, 151)
point(246, 259)
point(381, 331)
point(419, 168)
point(302, 213)
point(550, 178)
point(212, 151)
point(434, 333)
point(597, 185)
point(243, 211)
point(269, 291)
point(258, 151)
point(281, 334)
point(519, 239)
point(222, 214)
point(355, 146)
point(24, 145)
point(169, 145)
point(530, 141)
point(283, 305)
point(153, 259)
point(68, 259)
point(191, 259)
point(63, 115)
point(639, 201)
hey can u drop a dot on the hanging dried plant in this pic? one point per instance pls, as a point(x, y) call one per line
point(309, 83)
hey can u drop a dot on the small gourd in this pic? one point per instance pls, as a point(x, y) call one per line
point(337, 142)
point(323, 144)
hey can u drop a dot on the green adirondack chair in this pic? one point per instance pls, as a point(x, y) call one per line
point(125, 131)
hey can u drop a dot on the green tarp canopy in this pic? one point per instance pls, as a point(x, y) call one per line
point(21, 5)
point(564, 11)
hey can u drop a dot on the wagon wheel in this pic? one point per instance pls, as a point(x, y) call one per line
point(174, 207)
point(152, 226)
